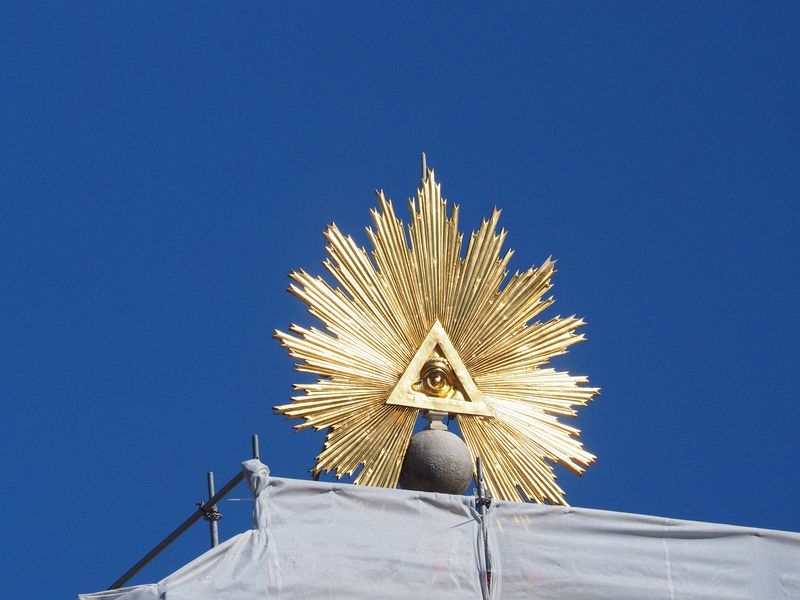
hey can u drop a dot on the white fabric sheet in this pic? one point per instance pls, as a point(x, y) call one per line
point(337, 541)
point(549, 552)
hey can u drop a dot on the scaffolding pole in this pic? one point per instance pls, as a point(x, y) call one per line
point(211, 514)
point(482, 502)
point(193, 518)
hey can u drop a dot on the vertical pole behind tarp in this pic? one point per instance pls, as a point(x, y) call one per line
point(213, 527)
point(482, 502)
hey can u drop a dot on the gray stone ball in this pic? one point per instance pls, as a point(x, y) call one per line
point(436, 461)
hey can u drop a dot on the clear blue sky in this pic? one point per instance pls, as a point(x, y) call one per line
point(164, 166)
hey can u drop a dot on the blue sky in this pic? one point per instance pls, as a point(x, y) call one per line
point(164, 166)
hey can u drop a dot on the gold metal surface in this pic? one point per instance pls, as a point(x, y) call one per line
point(415, 326)
point(466, 399)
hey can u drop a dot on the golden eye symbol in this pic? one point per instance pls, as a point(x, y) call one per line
point(436, 379)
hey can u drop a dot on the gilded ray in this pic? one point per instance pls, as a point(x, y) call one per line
point(378, 320)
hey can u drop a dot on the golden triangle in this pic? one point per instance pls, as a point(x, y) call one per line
point(437, 341)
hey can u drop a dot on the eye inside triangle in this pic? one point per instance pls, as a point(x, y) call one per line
point(436, 379)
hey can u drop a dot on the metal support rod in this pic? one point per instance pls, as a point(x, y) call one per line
point(213, 516)
point(479, 478)
point(196, 516)
point(201, 512)
point(482, 502)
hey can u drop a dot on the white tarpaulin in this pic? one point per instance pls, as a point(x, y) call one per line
point(338, 541)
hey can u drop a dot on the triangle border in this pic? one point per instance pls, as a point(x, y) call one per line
point(400, 396)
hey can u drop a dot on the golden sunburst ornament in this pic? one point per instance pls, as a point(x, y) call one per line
point(415, 326)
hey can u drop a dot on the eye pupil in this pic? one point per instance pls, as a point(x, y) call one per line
point(436, 381)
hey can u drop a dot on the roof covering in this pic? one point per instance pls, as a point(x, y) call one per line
point(338, 541)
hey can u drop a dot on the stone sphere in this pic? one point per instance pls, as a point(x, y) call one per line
point(436, 461)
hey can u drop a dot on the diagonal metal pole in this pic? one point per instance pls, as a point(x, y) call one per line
point(193, 518)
